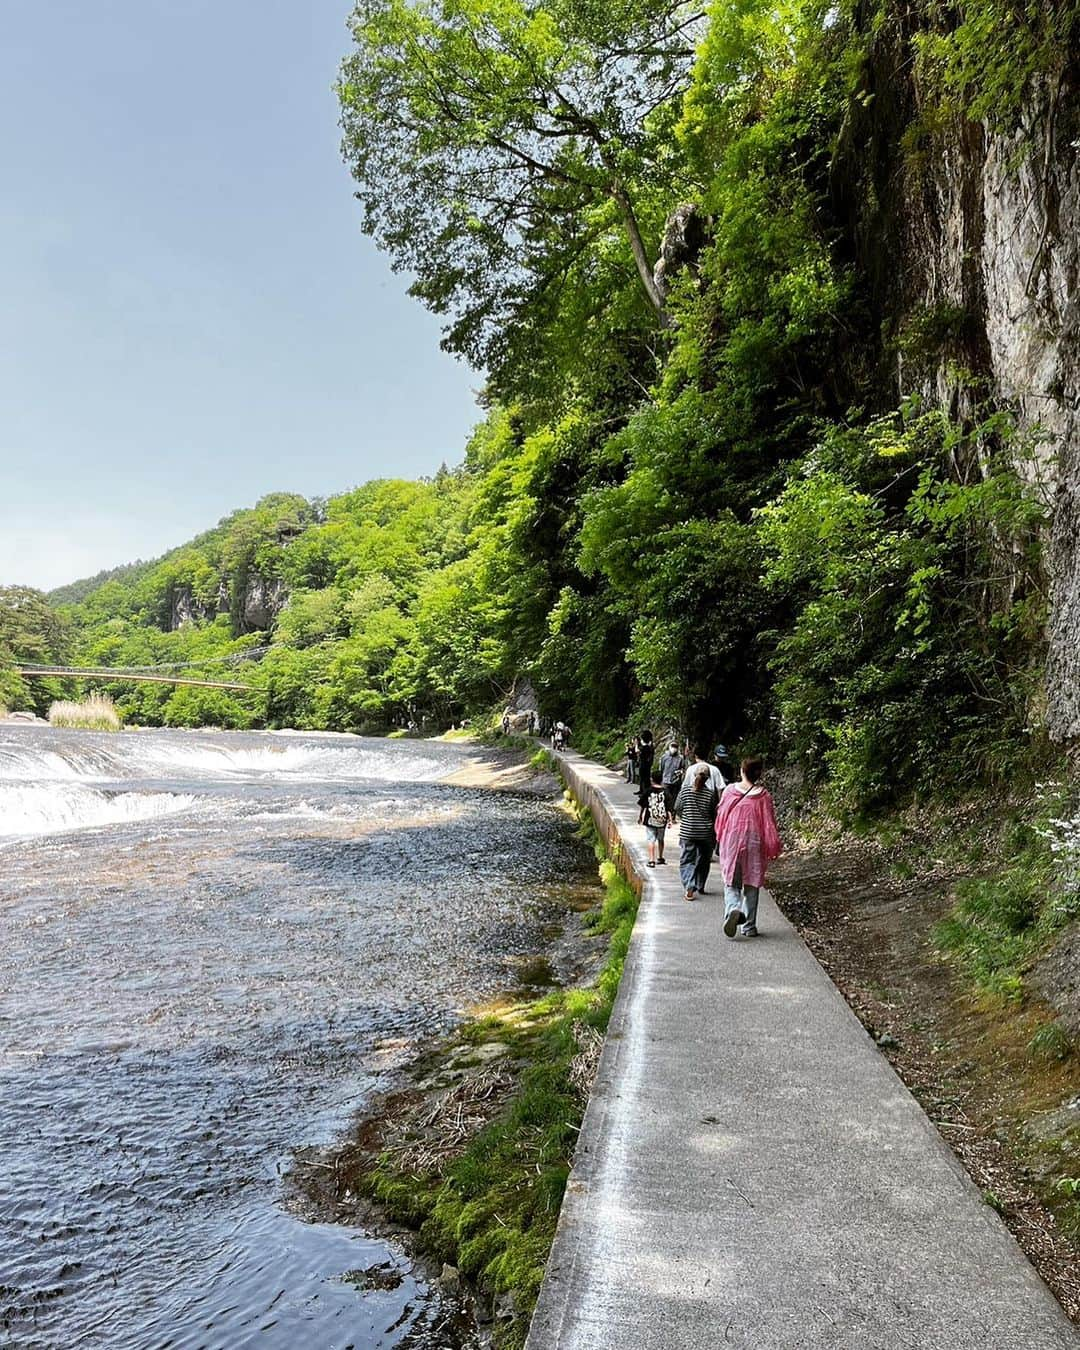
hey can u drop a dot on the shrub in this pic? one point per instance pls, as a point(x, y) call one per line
point(97, 712)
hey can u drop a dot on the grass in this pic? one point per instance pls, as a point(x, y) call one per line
point(1005, 918)
point(1050, 1042)
point(96, 712)
point(492, 1211)
point(1020, 891)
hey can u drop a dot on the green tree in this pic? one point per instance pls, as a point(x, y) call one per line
point(31, 631)
point(495, 143)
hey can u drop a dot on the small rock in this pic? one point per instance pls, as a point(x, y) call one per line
point(489, 1051)
point(886, 1041)
point(450, 1280)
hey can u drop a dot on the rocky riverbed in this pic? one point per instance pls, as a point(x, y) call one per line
point(214, 950)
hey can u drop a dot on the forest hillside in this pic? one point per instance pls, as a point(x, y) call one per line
point(775, 304)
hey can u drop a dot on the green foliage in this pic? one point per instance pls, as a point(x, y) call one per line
point(707, 518)
point(918, 603)
point(505, 155)
point(982, 56)
point(1002, 921)
point(34, 632)
point(1051, 1041)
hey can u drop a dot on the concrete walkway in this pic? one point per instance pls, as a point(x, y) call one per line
point(751, 1172)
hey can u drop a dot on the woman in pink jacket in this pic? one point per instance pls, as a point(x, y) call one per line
point(748, 840)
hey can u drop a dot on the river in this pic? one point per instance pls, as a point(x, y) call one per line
point(214, 947)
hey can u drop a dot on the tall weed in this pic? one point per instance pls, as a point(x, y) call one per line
point(96, 712)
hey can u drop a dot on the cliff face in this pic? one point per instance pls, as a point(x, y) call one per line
point(258, 604)
point(971, 239)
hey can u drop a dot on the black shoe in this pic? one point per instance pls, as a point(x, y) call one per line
point(732, 922)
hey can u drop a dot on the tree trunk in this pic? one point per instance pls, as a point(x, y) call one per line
point(637, 246)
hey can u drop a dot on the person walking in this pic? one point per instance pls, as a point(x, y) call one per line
point(724, 764)
point(645, 754)
point(695, 807)
point(716, 779)
point(657, 819)
point(672, 769)
point(748, 841)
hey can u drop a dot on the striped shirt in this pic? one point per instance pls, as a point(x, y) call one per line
point(696, 810)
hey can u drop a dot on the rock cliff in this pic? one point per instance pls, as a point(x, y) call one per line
point(970, 238)
point(259, 601)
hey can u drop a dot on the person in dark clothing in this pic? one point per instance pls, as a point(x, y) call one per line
point(657, 817)
point(724, 764)
point(631, 759)
point(672, 768)
point(646, 751)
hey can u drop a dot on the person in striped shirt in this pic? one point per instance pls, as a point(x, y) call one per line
point(695, 808)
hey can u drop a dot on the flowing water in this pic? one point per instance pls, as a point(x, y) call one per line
point(210, 946)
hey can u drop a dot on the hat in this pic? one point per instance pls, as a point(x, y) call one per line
point(721, 752)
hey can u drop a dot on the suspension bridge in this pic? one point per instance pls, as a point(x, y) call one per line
point(146, 675)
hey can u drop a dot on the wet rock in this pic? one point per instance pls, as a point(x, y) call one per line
point(450, 1280)
point(384, 1276)
point(505, 1308)
point(484, 1054)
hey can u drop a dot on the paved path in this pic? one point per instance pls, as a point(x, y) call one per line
point(751, 1171)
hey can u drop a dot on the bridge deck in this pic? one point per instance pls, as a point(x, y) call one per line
point(751, 1172)
point(79, 673)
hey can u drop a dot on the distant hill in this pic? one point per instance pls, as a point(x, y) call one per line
point(77, 591)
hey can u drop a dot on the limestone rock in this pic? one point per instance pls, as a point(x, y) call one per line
point(685, 235)
point(980, 231)
point(264, 597)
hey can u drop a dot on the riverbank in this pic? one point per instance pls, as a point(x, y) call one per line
point(464, 1159)
point(276, 969)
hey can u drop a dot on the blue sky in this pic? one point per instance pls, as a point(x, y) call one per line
point(190, 316)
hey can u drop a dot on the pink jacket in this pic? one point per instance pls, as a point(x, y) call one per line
point(747, 834)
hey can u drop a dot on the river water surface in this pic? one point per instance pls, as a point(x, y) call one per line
point(212, 947)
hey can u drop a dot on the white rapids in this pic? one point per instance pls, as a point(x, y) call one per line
point(53, 783)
